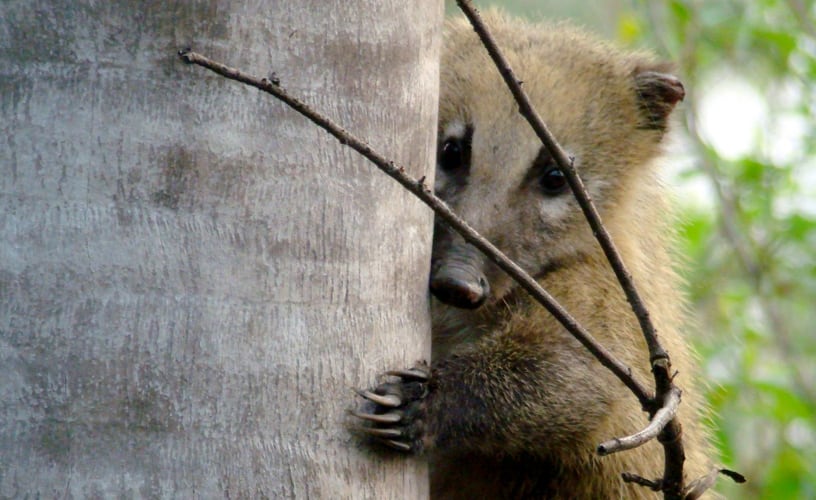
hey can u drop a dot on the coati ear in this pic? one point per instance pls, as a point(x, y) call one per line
point(657, 93)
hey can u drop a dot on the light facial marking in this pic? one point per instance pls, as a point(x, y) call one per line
point(554, 209)
point(456, 128)
point(557, 207)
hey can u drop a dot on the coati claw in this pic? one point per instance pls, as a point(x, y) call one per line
point(397, 445)
point(419, 374)
point(384, 418)
point(389, 400)
point(384, 433)
point(394, 411)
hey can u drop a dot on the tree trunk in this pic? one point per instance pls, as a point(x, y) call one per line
point(192, 277)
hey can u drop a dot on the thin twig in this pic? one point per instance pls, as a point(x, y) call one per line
point(634, 478)
point(441, 209)
point(656, 424)
point(696, 488)
point(670, 435)
point(565, 164)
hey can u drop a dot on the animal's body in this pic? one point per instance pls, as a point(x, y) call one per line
point(514, 406)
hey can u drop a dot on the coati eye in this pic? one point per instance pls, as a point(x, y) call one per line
point(553, 181)
point(454, 152)
point(451, 155)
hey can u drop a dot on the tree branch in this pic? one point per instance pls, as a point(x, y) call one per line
point(648, 483)
point(658, 422)
point(670, 435)
point(441, 209)
point(565, 164)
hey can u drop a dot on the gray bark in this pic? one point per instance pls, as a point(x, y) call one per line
point(192, 277)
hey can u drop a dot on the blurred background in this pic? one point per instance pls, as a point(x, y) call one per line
point(744, 171)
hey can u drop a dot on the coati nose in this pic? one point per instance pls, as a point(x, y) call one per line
point(459, 288)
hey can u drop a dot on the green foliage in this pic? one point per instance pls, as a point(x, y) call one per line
point(752, 268)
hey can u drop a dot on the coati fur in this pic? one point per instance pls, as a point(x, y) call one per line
point(512, 405)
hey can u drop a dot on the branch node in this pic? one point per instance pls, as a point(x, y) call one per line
point(656, 428)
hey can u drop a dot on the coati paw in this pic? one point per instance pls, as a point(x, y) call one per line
point(394, 411)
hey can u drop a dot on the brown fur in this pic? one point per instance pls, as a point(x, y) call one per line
point(514, 406)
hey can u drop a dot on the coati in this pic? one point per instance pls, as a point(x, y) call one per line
point(512, 406)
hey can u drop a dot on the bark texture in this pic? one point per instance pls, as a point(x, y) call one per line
point(192, 277)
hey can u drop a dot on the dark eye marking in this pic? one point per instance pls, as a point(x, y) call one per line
point(453, 156)
point(545, 173)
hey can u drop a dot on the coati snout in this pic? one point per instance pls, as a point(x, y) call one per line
point(457, 274)
point(457, 278)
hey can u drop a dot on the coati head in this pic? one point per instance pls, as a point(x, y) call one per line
point(607, 108)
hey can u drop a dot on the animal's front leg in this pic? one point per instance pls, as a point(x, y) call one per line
point(498, 398)
point(396, 410)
